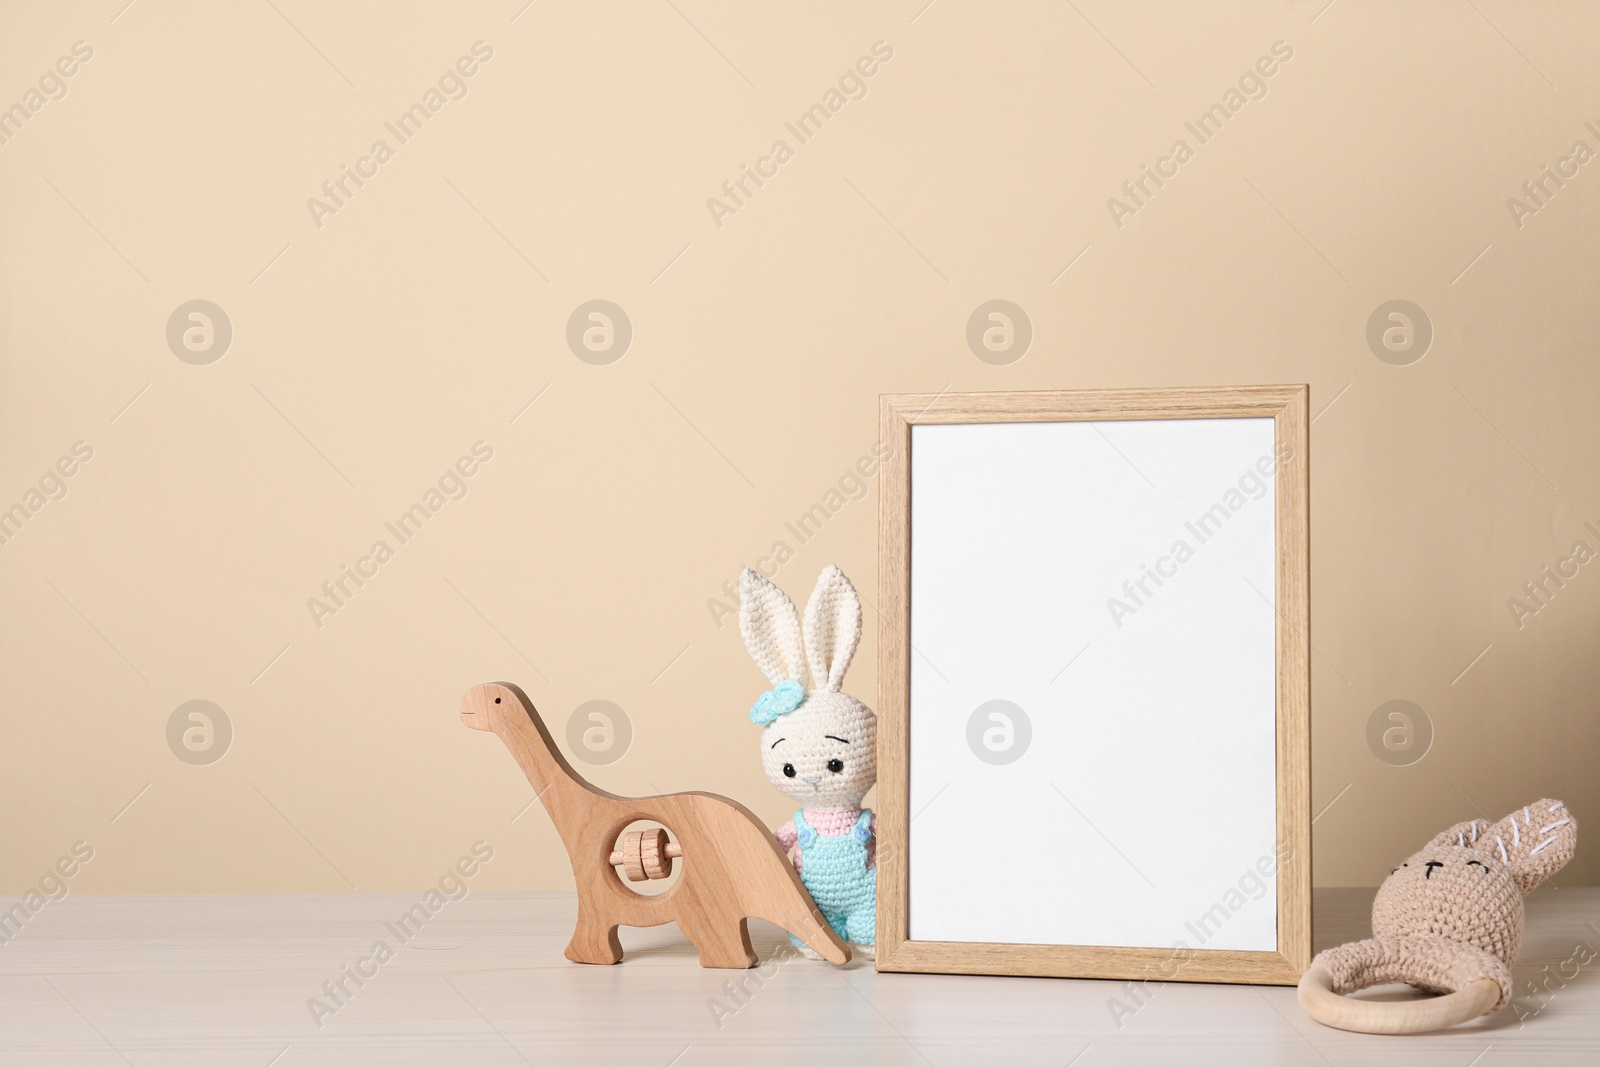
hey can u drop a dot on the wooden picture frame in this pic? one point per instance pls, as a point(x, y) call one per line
point(1287, 703)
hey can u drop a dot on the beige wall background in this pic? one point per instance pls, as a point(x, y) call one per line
point(373, 345)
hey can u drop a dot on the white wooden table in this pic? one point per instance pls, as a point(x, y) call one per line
point(225, 980)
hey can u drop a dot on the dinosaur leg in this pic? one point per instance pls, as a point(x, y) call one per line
point(720, 945)
point(836, 922)
point(822, 934)
point(594, 941)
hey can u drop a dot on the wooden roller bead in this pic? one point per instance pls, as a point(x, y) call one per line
point(646, 854)
point(652, 847)
point(633, 858)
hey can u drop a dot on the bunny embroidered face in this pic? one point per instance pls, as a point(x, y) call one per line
point(1450, 891)
point(819, 745)
point(824, 754)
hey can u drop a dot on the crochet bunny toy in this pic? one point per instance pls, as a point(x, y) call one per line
point(1447, 920)
point(819, 746)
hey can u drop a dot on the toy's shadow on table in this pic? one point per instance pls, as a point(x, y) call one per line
point(667, 944)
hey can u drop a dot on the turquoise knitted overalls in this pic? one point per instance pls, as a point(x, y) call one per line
point(834, 870)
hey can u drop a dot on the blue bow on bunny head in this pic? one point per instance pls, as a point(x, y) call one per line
point(781, 699)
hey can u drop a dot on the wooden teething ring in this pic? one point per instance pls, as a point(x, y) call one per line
point(1407, 1017)
point(646, 854)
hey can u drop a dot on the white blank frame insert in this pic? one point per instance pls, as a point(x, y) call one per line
point(1094, 684)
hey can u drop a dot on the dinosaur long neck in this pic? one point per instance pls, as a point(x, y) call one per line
point(551, 776)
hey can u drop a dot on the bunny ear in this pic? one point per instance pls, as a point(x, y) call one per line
point(1535, 842)
point(1463, 835)
point(771, 628)
point(833, 627)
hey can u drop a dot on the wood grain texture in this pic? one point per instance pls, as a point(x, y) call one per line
point(1293, 601)
point(1093, 405)
point(1317, 997)
point(733, 868)
point(895, 417)
point(1288, 407)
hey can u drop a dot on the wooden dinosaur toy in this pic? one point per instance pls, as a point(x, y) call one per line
point(733, 868)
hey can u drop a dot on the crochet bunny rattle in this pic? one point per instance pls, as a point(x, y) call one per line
point(1447, 920)
point(819, 746)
